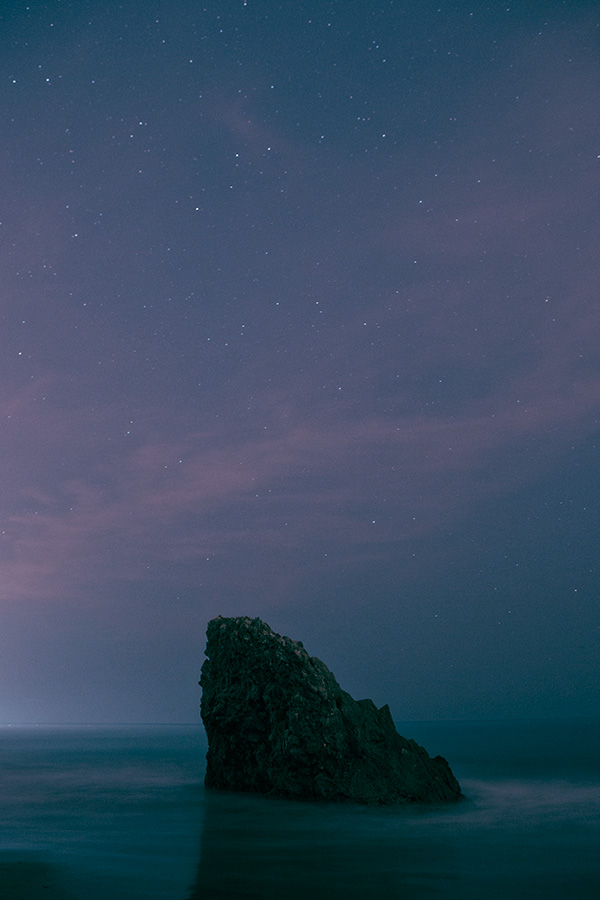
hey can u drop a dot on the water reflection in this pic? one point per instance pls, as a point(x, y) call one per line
point(25, 877)
point(258, 848)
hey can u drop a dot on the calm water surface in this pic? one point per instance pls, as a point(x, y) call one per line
point(120, 813)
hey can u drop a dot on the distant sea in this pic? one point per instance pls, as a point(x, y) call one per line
point(119, 813)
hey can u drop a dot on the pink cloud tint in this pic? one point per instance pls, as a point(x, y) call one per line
point(344, 483)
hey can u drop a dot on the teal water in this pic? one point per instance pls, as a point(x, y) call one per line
point(120, 813)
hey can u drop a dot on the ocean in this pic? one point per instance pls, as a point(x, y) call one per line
point(120, 813)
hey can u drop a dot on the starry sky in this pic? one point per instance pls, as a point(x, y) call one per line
point(300, 319)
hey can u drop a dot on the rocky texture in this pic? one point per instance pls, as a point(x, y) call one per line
point(278, 723)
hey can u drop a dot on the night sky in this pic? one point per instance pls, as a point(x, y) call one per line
point(300, 319)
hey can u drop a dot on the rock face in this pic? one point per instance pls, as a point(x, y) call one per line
point(278, 723)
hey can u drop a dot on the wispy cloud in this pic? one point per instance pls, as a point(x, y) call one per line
point(336, 481)
point(380, 421)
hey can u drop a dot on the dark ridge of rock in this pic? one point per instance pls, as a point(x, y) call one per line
point(278, 723)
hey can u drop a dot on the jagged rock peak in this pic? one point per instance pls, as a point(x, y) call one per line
point(278, 723)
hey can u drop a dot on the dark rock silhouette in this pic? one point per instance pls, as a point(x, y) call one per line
point(278, 723)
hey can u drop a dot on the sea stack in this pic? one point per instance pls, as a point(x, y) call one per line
point(278, 723)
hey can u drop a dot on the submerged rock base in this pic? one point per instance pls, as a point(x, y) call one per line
point(278, 723)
